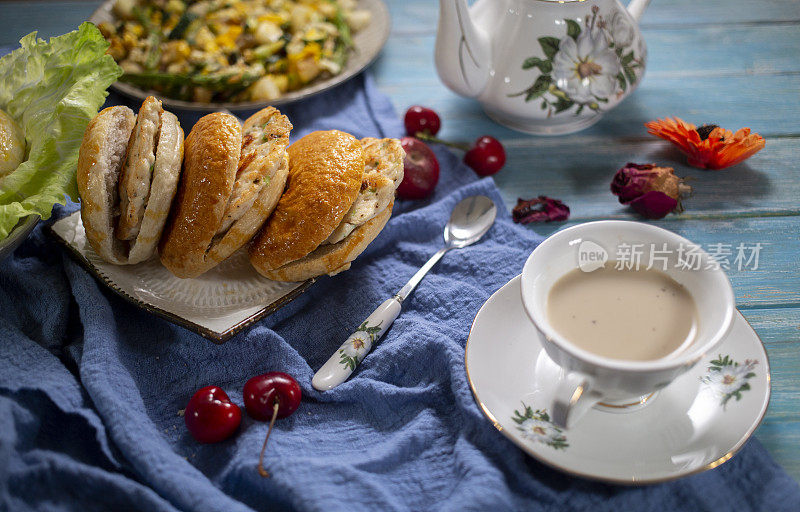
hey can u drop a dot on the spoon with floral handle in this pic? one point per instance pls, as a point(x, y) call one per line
point(470, 220)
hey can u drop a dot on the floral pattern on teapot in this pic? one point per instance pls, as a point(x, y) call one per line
point(592, 65)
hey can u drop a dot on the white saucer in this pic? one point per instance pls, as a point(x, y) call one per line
point(696, 423)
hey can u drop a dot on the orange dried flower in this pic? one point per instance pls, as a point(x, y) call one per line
point(708, 147)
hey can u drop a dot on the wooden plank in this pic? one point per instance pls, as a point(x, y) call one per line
point(420, 16)
point(773, 109)
point(578, 170)
point(724, 12)
point(779, 329)
point(746, 87)
point(775, 283)
point(709, 50)
point(704, 50)
point(701, 52)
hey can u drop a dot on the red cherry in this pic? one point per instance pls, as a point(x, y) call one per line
point(210, 415)
point(422, 119)
point(270, 396)
point(486, 156)
point(262, 392)
point(420, 168)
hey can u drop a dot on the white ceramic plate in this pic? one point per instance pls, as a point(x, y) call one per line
point(216, 305)
point(367, 43)
point(696, 423)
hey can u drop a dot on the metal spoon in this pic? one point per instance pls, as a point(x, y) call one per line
point(470, 220)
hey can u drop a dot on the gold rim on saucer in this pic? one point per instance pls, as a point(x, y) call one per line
point(634, 481)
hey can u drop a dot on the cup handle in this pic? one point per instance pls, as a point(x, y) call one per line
point(573, 398)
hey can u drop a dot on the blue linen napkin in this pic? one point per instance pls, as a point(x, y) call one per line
point(90, 386)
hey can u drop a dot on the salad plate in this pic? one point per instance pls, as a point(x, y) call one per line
point(367, 45)
point(696, 423)
point(217, 305)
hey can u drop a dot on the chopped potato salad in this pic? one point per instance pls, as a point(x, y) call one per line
point(231, 50)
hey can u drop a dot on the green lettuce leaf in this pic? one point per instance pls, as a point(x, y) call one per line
point(52, 89)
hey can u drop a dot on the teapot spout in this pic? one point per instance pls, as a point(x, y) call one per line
point(462, 50)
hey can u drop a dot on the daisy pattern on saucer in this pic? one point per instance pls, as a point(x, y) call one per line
point(536, 426)
point(728, 378)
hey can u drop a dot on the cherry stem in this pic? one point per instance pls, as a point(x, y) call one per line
point(261, 471)
point(430, 138)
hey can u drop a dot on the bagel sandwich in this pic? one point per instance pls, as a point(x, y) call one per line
point(338, 198)
point(128, 171)
point(233, 176)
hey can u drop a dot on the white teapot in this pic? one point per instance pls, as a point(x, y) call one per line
point(542, 66)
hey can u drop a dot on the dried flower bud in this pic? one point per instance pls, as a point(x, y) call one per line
point(650, 190)
point(540, 209)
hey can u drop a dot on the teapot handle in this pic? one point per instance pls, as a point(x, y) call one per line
point(636, 8)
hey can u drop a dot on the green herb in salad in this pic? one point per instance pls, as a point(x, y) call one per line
point(287, 44)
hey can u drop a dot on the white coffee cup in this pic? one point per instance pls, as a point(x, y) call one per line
point(589, 379)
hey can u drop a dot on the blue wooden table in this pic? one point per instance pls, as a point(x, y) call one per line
point(730, 62)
